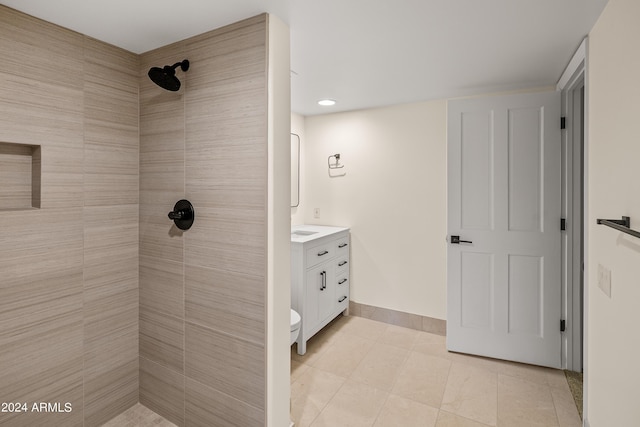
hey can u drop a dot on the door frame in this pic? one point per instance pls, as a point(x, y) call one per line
point(573, 79)
point(574, 345)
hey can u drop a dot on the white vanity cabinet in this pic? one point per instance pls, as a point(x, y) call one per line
point(319, 276)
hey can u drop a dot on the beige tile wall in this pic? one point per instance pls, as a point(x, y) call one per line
point(111, 144)
point(69, 270)
point(202, 292)
point(102, 301)
point(161, 244)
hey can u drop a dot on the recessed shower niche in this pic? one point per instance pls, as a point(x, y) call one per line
point(20, 176)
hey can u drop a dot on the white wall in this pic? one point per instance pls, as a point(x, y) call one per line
point(613, 371)
point(393, 197)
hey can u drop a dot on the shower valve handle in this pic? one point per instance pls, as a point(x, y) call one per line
point(175, 215)
point(182, 215)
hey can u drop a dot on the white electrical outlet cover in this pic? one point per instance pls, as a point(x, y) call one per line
point(604, 280)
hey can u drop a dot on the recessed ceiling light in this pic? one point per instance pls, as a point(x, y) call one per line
point(327, 102)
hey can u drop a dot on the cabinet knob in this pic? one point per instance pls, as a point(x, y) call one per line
point(340, 264)
point(323, 253)
point(342, 281)
point(342, 245)
point(342, 299)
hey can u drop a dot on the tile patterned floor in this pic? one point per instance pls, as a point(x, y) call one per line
point(138, 416)
point(359, 372)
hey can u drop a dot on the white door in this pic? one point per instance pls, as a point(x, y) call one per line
point(504, 199)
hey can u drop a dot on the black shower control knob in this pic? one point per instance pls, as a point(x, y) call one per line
point(183, 214)
point(176, 215)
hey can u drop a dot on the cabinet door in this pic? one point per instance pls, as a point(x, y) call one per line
point(320, 294)
point(327, 296)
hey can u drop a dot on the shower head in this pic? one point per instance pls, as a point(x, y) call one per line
point(165, 77)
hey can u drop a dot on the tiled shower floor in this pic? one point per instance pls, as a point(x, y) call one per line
point(138, 416)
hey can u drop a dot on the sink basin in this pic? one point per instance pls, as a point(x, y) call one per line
point(302, 233)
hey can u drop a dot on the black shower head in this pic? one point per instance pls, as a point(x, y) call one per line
point(165, 77)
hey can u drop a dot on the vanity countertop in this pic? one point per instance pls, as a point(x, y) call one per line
point(307, 233)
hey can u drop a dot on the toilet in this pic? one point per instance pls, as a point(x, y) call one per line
point(295, 326)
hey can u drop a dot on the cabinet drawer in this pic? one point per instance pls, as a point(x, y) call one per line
point(342, 280)
point(320, 253)
point(342, 291)
point(342, 298)
point(342, 247)
point(342, 265)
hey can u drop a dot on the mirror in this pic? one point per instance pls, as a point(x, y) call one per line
point(295, 170)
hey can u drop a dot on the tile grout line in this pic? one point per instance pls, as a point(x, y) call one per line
point(184, 252)
point(376, 341)
point(497, 397)
point(395, 380)
point(313, 367)
point(345, 378)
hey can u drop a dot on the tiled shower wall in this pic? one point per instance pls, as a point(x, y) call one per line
point(202, 292)
point(69, 270)
point(75, 327)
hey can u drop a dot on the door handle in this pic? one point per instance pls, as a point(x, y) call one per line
point(456, 240)
point(322, 279)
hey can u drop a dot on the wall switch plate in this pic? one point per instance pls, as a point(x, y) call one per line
point(604, 280)
point(316, 212)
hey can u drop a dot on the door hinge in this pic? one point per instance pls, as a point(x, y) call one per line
point(563, 224)
point(563, 325)
point(563, 122)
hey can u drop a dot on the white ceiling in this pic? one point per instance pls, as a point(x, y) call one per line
point(364, 53)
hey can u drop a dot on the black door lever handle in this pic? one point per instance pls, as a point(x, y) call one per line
point(456, 240)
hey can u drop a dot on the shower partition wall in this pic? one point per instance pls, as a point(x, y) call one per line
point(203, 291)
